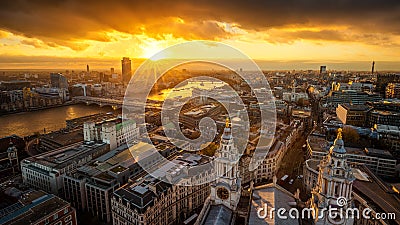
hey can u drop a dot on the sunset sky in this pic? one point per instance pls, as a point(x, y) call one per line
point(34, 33)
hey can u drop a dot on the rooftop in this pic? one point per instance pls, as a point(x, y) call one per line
point(59, 158)
point(218, 214)
point(142, 192)
point(34, 207)
point(275, 197)
point(355, 107)
point(378, 194)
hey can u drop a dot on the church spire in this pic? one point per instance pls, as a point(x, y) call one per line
point(227, 123)
point(339, 133)
point(338, 144)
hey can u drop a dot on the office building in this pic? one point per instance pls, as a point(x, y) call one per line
point(392, 90)
point(350, 97)
point(57, 80)
point(379, 161)
point(152, 201)
point(114, 132)
point(355, 115)
point(126, 70)
point(383, 117)
point(44, 171)
point(37, 208)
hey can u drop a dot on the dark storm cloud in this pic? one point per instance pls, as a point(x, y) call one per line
point(63, 22)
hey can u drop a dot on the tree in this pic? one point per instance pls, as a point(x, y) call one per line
point(350, 135)
point(210, 149)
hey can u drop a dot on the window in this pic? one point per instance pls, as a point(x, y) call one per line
point(68, 218)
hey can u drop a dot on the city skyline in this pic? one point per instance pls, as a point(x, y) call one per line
point(66, 33)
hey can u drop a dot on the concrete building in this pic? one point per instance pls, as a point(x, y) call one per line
point(126, 70)
point(114, 132)
point(393, 90)
point(38, 208)
point(294, 97)
point(350, 97)
point(44, 171)
point(152, 201)
point(57, 80)
point(383, 117)
point(380, 161)
point(390, 135)
point(90, 187)
point(355, 115)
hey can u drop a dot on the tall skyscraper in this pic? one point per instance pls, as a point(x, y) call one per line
point(322, 69)
point(373, 67)
point(126, 70)
point(58, 81)
point(112, 70)
point(87, 68)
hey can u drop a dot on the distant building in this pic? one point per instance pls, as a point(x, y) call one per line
point(322, 69)
point(384, 79)
point(392, 90)
point(285, 135)
point(383, 117)
point(294, 97)
point(14, 85)
point(38, 208)
point(57, 80)
point(355, 115)
point(390, 135)
point(350, 97)
point(126, 70)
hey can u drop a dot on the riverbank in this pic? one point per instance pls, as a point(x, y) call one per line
point(45, 120)
point(3, 113)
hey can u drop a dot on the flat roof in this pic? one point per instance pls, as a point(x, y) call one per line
point(38, 205)
point(378, 193)
point(61, 157)
point(275, 197)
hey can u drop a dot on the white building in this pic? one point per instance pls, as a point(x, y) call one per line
point(335, 183)
point(115, 132)
point(226, 190)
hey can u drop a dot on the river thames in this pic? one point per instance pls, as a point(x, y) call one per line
point(27, 123)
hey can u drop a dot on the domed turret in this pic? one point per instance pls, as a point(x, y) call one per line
point(338, 144)
point(227, 135)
